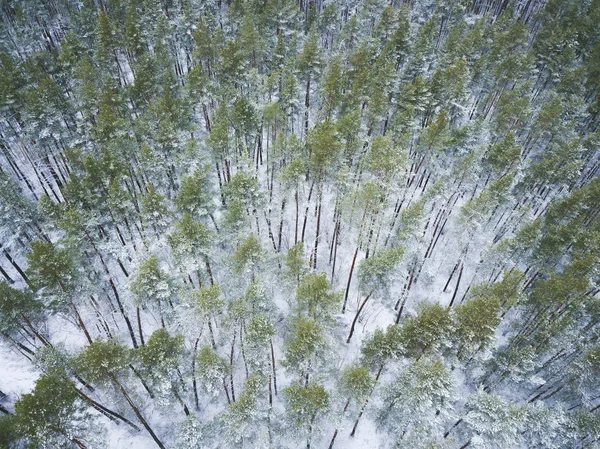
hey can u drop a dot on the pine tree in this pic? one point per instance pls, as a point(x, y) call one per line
point(153, 286)
point(305, 348)
point(428, 332)
point(414, 401)
point(476, 323)
point(53, 414)
point(306, 405)
point(315, 297)
point(208, 304)
point(245, 417)
point(492, 421)
point(212, 371)
point(106, 362)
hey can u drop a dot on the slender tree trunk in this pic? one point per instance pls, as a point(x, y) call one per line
point(212, 334)
point(143, 382)
point(139, 321)
point(457, 285)
point(358, 312)
point(297, 213)
point(226, 391)
point(307, 106)
point(349, 280)
point(273, 365)
point(231, 366)
point(336, 430)
point(318, 228)
point(280, 226)
point(17, 267)
point(194, 382)
point(310, 431)
point(136, 411)
point(306, 211)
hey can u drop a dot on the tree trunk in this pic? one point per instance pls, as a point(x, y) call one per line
point(231, 366)
point(139, 321)
point(318, 229)
point(457, 285)
point(194, 382)
point(349, 280)
point(336, 430)
point(307, 106)
point(136, 411)
point(273, 364)
point(357, 315)
point(306, 211)
point(297, 211)
point(212, 334)
point(105, 411)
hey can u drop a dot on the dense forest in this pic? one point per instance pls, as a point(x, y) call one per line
point(288, 224)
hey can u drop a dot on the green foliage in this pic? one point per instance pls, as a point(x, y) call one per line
point(428, 332)
point(152, 283)
point(507, 293)
point(257, 299)
point(410, 219)
point(315, 296)
point(475, 211)
point(310, 57)
point(248, 255)
point(492, 421)
point(9, 433)
point(476, 323)
point(417, 396)
point(435, 137)
point(376, 272)
point(154, 208)
point(504, 155)
point(243, 417)
point(236, 218)
point(307, 340)
point(212, 370)
point(17, 306)
point(208, 300)
point(356, 382)
point(332, 86)
point(194, 196)
point(306, 403)
point(101, 360)
point(150, 149)
point(295, 262)
point(385, 159)
point(47, 415)
point(324, 147)
point(380, 347)
point(190, 239)
point(50, 267)
point(243, 188)
point(161, 352)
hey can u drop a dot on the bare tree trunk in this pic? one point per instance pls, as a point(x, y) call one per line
point(194, 383)
point(231, 366)
point(136, 411)
point(212, 334)
point(336, 430)
point(306, 211)
point(358, 312)
point(139, 321)
point(273, 364)
point(349, 280)
point(307, 106)
point(318, 228)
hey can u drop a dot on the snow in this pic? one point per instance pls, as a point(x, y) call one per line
point(14, 379)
